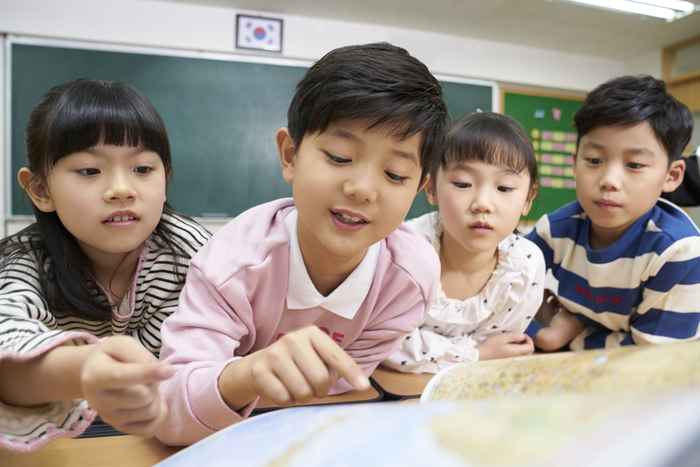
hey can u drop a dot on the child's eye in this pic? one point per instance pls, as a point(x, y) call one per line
point(593, 161)
point(462, 185)
point(505, 189)
point(634, 165)
point(89, 172)
point(337, 160)
point(395, 177)
point(143, 170)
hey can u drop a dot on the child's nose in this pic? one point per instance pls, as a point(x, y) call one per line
point(482, 203)
point(119, 189)
point(610, 179)
point(361, 186)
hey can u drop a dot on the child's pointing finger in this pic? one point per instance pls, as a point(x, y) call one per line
point(340, 361)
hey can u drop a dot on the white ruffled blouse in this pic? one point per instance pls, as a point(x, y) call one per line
point(452, 328)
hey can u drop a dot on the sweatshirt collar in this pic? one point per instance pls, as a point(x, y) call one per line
point(346, 299)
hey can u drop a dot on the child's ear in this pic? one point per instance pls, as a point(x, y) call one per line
point(424, 184)
point(431, 194)
point(36, 191)
point(528, 204)
point(287, 152)
point(573, 164)
point(674, 177)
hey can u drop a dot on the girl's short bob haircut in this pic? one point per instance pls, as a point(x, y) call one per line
point(78, 115)
point(491, 138)
point(70, 118)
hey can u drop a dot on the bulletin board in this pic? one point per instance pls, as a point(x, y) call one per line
point(548, 120)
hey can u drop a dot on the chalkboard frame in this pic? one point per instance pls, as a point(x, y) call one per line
point(11, 40)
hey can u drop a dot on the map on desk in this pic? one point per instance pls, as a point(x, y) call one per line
point(630, 369)
point(594, 408)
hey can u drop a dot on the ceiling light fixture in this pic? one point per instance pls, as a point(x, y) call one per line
point(670, 10)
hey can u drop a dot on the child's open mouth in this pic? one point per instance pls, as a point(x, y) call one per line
point(120, 218)
point(348, 219)
point(347, 222)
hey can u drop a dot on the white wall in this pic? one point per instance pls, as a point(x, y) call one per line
point(210, 29)
point(648, 64)
point(196, 27)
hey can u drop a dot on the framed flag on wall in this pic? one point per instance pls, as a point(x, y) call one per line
point(256, 32)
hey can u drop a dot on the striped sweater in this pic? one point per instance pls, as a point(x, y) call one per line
point(28, 329)
point(643, 289)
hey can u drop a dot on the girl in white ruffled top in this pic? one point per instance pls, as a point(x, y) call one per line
point(492, 279)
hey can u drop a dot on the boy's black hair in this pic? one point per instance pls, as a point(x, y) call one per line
point(69, 118)
point(379, 83)
point(491, 138)
point(633, 99)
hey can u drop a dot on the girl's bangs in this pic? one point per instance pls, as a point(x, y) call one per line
point(495, 151)
point(112, 118)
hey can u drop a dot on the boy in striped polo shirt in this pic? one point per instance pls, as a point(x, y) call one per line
point(628, 263)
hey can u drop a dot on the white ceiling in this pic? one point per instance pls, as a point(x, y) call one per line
point(548, 24)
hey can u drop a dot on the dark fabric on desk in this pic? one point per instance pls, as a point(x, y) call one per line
point(98, 429)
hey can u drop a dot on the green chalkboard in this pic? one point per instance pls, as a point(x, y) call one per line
point(221, 118)
point(549, 121)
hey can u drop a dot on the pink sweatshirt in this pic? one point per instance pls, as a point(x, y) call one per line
point(234, 303)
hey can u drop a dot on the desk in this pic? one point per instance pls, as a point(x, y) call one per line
point(112, 451)
point(370, 394)
point(397, 385)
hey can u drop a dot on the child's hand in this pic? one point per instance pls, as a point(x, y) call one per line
point(509, 344)
point(562, 328)
point(550, 307)
point(120, 381)
point(301, 365)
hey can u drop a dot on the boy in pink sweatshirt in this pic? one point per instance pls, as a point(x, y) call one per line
point(303, 297)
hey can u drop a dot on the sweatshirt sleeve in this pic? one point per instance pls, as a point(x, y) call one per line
point(25, 333)
point(199, 341)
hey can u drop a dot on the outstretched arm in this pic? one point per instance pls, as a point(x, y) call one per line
point(118, 377)
point(563, 327)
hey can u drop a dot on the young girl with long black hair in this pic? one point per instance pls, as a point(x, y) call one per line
point(84, 289)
